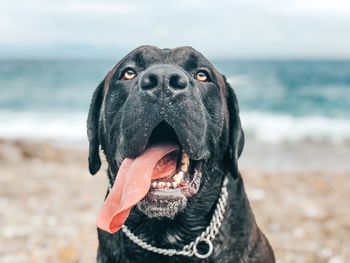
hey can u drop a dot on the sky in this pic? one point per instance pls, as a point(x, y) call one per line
point(221, 29)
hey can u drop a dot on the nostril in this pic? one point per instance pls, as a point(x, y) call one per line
point(149, 81)
point(178, 81)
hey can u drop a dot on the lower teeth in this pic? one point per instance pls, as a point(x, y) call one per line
point(177, 179)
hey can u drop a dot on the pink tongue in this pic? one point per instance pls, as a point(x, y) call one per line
point(133, 182)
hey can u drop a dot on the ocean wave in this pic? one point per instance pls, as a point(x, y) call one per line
point(278, 128)
point(261, 126)
point(67, 128)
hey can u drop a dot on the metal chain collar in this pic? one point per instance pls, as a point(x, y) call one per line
point(206, 237)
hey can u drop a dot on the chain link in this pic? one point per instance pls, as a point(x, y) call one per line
point(206, 236)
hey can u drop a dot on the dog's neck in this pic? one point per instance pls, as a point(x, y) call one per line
point(187, 225)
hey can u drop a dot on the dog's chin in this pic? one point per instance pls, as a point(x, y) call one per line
point(158, 208)
point(167, 202)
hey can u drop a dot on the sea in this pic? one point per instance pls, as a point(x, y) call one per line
point(280, 101)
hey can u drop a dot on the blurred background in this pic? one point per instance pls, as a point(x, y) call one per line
point(288, 61)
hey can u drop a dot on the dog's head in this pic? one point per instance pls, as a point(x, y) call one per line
point(166, 95)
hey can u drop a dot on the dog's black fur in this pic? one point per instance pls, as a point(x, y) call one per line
point(206, 120)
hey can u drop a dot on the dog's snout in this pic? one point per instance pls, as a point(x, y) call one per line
point(164, 77)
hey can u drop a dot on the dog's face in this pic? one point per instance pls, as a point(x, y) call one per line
point(166, 95)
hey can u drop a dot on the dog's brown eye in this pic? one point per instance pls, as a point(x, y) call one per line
point(128, 74)
point(202, 76)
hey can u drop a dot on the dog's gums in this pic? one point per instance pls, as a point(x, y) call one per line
point(176, 180)
point(187, 176)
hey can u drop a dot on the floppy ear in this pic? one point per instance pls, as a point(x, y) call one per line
point(92, 129)
point(236, 135)
point(93, 121)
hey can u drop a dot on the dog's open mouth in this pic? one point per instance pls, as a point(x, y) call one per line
point(184, 178)
point(159, 181)
point(168, 195)
point(175, 174)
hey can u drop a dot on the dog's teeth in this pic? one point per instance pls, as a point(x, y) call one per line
point(175, 176)
point(161, 184)
point(178, 177)
point(168, 184)
point(154, 184)
point(185, 162)
point(174, 184)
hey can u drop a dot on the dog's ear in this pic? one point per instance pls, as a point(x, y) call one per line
point(236, 135)
point(94, 119)
point(93, 127)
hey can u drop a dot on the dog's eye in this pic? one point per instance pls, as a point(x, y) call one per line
point(202, 76)
point(128, 74)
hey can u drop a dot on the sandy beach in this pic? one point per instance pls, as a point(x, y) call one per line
point(49, 202)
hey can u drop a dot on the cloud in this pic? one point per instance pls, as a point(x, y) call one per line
point(247, 28)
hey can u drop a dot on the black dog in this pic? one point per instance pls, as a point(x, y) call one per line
point(175, 95)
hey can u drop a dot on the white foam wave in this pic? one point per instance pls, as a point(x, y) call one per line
point(277, 128)
point(265, 127)
point(56, 127)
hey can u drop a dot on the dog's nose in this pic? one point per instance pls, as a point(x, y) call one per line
point(163, 77)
